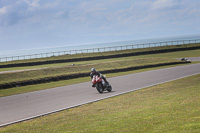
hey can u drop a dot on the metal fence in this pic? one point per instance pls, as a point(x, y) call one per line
point(104, 49)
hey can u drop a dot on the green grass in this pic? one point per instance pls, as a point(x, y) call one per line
point(99, 54)
point(36, 74)
point(156, 109)
point(37, 87)
point(24, 89)
point(179, 54)
point(84, 66)
point(169, 107)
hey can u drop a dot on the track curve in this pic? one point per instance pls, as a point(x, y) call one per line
point(26, 106)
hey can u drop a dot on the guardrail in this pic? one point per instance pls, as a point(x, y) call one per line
point(104, 49)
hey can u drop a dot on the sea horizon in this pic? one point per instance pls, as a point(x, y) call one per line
point(12, 53)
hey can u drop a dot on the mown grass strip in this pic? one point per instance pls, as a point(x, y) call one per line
point(79, 75)
point(169, 107)
point(171, 55)
point(128, 61)
point(43, 86)
point(82, 68)
point(104, 55)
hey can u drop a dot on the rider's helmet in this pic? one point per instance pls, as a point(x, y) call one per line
point(93, 70)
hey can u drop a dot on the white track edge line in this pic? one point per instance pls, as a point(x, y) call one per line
point(59, 110)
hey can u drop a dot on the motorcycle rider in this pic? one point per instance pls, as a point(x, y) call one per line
point(94, 72)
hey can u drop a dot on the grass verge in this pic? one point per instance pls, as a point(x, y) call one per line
point(100, 55)
point(84, 66)
point(37, 87)
point(178, 54)
point(168, 107)
point(53, 72)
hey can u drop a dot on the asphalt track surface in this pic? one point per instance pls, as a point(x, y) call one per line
point(26, 106)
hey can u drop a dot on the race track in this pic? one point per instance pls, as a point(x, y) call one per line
point(25, 106)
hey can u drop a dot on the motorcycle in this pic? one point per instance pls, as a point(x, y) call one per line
point(100, 84)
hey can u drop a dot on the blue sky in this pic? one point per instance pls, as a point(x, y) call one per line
point(27, 24)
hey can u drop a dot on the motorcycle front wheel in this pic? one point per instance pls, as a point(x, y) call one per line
point(99, 88)
point(109, 88)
